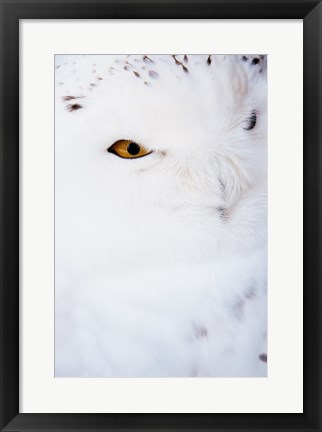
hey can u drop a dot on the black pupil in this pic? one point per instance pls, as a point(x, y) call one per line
point(133, 148)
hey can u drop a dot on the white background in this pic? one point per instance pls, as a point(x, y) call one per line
point(282, 391)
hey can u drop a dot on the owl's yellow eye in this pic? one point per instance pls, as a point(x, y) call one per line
point(128, 149)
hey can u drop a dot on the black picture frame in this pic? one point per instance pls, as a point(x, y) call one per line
point(14, 10)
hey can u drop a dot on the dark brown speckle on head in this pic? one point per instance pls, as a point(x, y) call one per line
point(68, 98)
point(147, 59)
point(178, 63)
point(73, 107)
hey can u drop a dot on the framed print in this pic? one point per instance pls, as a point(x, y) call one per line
point(160, 215)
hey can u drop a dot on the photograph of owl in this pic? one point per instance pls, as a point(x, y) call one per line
point(161, 215)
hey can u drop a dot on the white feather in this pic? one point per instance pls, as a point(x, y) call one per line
point(160, 261)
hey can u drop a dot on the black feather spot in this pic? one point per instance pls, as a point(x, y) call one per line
point(147, 59)
point(255, 61)
point(73, 107)
point(178, 63)
point(185, 68)
point(251, 121)
point(176, 60)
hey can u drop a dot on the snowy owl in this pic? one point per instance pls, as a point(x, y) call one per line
point(160, 216)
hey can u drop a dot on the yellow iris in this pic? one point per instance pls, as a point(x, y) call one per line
point(128, 149)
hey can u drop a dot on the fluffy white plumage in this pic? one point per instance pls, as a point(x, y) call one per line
point(161, 261)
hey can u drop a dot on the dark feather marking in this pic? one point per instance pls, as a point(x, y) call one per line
point(245, 59)
point(222, 213)
point(201, 332)
point(185, 68)
point(255, 61)
point(251, 121)
point(68, 98)
point(73, 107)
point(185, 58)
point(153, 74)
point(137, 74)
point(263, 357)
point(146, 58)
point(209, 60)
point(178, 63)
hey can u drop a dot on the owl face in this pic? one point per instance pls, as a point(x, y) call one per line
point(200, 122)
point(170, 140)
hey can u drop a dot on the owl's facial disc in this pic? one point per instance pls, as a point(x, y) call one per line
point(128, 149)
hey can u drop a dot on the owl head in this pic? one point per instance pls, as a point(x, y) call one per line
point(166, 147)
